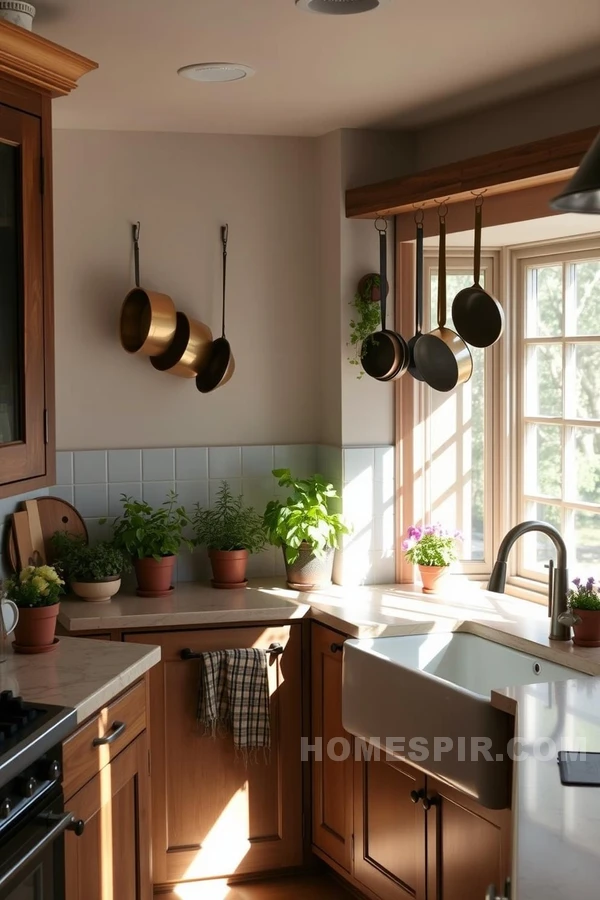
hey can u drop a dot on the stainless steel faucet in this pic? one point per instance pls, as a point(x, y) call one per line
point(558, 576)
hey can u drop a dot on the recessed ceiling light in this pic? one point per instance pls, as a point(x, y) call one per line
point(340, 7)
point(216, 71)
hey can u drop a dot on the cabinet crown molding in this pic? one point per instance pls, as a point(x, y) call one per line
point(33, 60)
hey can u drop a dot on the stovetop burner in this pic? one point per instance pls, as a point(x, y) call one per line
point(27, 731)
point(15, 715)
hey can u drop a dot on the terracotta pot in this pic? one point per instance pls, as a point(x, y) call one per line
point(36, 627)
point(228, 567)
point(97, 591)
point(587, 631)
point(309, 573)
point(154, 577)
point(430, 576)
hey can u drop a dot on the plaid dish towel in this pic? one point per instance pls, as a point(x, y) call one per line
point(234, 696)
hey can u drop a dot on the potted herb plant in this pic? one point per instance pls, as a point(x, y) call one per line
point(93, 571)
point(306, 529)
point(36, 591)
point(584, 612)
point(152, 539)
point(366, 316)
point(231, 531)
point(432, 548)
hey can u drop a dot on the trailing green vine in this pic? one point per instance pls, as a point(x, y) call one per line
point(366, 319)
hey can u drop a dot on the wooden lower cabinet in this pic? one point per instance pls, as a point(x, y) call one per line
point(390, 836)
point(445, 846)
point(111, 859)
point(331, 778)
point(468, 846)
point(213, 815)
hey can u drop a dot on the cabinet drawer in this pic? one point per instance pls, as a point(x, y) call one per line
point(119, 722)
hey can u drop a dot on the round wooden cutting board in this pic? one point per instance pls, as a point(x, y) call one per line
point(55, 515)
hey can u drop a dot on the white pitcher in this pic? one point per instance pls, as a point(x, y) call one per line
point(9, 616)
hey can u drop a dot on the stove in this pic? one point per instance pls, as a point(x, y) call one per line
point(28, 731)
point(33, 820)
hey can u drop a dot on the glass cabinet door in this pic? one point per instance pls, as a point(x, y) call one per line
point(22, 328)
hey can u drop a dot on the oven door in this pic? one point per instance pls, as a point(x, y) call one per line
point(32, 858)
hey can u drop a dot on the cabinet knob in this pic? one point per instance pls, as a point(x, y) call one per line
point(336, 648)
point(428, 802)
point(415, 796)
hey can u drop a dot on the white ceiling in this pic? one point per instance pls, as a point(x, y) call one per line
point(531, 231)
point(314, 73)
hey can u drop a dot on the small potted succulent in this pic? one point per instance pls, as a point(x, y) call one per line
point(36, 592)
point(92, 571)
point(152, 538)
point(306, 529)
point(432, 548)
point(584, 612)
point(231, 531)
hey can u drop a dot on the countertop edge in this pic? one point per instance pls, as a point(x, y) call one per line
point(116, 685)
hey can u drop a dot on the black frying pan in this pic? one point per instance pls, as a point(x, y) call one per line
point(413, 369)
point(219, 364)
point(386, 355)
point(477, 316)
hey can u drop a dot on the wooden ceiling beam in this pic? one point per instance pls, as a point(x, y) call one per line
point(540, 162)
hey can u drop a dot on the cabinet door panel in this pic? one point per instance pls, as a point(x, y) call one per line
point(214, 816)
point(389, 856)
point(331, 778)
point(112, 858)
point(468, 846)
point(22, 381)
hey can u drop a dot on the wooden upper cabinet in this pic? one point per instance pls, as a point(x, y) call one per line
point(331, 778)
point(214, 814)
point(32, 71)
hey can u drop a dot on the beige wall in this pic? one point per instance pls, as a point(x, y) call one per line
point(182, 188)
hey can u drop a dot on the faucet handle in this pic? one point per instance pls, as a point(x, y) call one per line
point(550, 566)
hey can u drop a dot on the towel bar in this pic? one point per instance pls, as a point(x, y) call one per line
point(273, 649)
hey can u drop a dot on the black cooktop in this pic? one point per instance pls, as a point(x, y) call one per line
point(27, 730)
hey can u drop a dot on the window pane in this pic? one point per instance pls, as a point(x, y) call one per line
point(456, 442)
point(543, 465)
point(538, 548)
point(587, 541)
point(543, 383)
point(544, 301)
point(585, 281)
point(585, 486)
point(10, 326)
point(586, 366)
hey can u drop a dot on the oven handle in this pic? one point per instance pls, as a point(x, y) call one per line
point(60, 824)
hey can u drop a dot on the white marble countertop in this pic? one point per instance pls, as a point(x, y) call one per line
point(556, 828)
point(82, 674)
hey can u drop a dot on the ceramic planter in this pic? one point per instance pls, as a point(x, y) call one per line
point(309, 573)
point(17, 13)
point(34, 632)
point(97, 591)
point(154, 577)
point(586, 627)
point(228, 568)
point(431, 576)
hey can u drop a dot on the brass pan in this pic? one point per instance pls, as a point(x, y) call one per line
point(189, 350)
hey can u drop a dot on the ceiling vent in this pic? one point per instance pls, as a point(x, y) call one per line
point(213, 72)
point(340, 7)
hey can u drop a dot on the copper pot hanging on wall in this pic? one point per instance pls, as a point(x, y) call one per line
point(148, 318)
point(189, 350)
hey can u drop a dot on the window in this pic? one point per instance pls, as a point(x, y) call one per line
point(558, 404)
point(521, 440)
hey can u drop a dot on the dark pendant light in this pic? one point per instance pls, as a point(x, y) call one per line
point(582, 194)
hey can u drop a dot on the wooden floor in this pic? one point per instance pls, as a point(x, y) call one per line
point(315, 887)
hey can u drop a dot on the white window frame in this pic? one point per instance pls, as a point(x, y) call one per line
point(520, 259)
